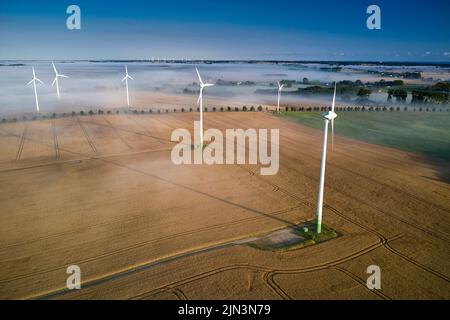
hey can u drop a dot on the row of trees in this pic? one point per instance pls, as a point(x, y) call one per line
point(135, 111)
point(368, 108)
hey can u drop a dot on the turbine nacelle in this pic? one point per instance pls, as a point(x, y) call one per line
point(202, 86)
point(57, 74)
point(127, 76)
point(331, 115)
point(34, 79)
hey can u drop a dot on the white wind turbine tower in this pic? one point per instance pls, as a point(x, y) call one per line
point(328, 117)
point(127, 76)
point(56, 79)
point(200, 101)
point(280, 87)
point(35, 90)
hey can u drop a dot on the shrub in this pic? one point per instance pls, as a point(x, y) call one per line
point(260, 108)
point(244, 108)
point(228, 108)
point(91, 112)
point(252, 108)
point(81, 113)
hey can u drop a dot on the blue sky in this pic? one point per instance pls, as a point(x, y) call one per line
point(415, 30)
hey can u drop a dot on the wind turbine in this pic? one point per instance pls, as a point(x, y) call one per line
point(280, 87)
point(200, 101)
point(56, 79)
point(127, 76)
point(328, 117)
point(35, 90)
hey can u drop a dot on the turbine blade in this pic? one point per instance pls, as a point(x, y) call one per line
point(54, 81)
point(31, 81)
point(39, 80)
point(62, 76)
point(130, 77)
point(54, 68)
point(124, 78)
point(334, 98)
point(199, 78)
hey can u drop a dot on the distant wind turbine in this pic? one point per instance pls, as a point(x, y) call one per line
point(328, 117)
point(35, 90)
point(56, 79)
point(127, 76)
point(200, 101)
point(280, 87)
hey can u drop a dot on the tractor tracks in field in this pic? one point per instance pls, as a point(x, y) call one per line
point(268, 273)
point(117, 133)
point(382, 239)
point(86, 136)
point(148, 133)
point(55, 140)
point(382, 211)
point(157, 240)
point(161, 140)
point(21, 143)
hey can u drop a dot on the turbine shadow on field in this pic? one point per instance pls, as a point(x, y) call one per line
point(441, 167)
